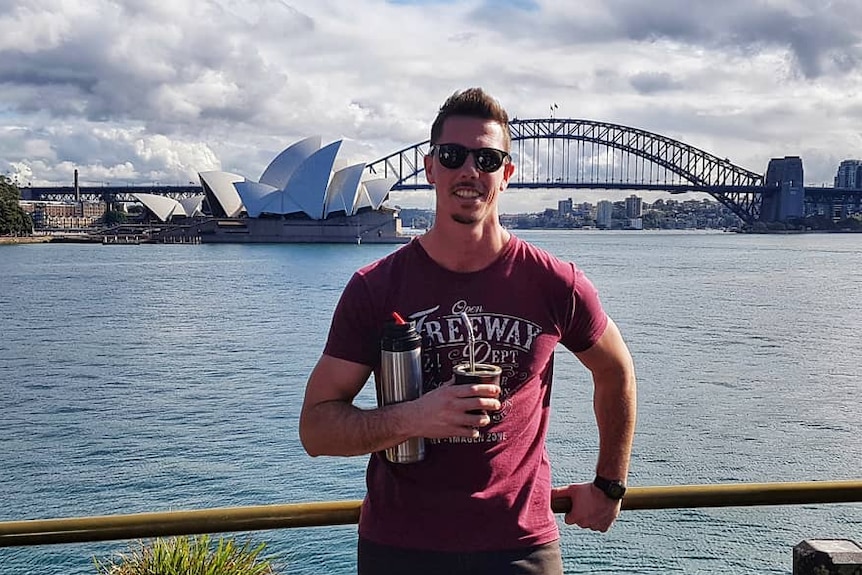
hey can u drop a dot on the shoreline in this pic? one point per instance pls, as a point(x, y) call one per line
point(14, 240)
point(410, 232)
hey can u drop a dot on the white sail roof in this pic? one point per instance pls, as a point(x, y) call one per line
point(165, 208)
point(161, 206)
point(342, 190)
point(378, 190)
point(281, 203)
point(307, 185)
point(255, 196)
point(279, 171)
point(221, 184)
point(192, 206)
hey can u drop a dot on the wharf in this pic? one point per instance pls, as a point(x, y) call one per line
point(15, 240)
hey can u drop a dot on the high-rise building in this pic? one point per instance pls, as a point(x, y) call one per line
point(634, 207)
point(604, 213)
point(564, 207)
point(849, 175)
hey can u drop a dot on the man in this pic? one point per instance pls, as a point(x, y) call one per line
point(480, 501)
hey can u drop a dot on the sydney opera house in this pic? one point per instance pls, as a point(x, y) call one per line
point(301, 197)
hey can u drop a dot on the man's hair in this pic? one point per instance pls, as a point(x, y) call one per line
point(473, 103)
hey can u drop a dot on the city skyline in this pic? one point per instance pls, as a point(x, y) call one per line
point(560, 205)
point(134, 93)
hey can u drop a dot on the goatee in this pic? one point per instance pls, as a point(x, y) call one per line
point(461, 219)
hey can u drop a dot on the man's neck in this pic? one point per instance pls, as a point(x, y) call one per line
point(465, 248)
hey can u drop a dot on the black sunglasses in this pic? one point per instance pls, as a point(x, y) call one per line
point(453, 156)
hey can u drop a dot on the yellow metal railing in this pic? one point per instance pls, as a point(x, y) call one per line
point(228, 519)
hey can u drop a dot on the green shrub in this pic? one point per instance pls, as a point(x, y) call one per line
point(198, 555)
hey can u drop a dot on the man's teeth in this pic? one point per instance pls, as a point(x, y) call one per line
point(468, 194)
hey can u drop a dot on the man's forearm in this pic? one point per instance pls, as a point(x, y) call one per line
point(340, 428)
point(615, 405)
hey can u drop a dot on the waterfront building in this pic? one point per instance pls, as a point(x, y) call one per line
point(300, 197)
point(849, 175)
point(586, 211)
point(300, 181)
point(634, 207)
point(564, 207)
point(604, 214)
point(63, 215)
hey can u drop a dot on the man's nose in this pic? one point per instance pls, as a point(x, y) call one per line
point(471, 164)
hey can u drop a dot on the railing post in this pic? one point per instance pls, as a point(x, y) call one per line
point(827, 557)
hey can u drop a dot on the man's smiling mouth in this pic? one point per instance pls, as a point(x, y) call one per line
point(467, 193)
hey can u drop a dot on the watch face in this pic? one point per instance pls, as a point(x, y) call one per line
point(615, 490)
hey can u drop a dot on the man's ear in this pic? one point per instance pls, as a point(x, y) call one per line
point(429, 171)
point(508, 171)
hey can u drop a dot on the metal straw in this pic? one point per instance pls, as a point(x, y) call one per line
point(471, 338)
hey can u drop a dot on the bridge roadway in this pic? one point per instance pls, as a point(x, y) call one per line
point(830, 199)
point(106, 193)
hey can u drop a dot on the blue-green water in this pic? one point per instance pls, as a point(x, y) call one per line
point(157, 377)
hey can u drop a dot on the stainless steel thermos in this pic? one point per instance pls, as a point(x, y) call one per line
point(401, 379)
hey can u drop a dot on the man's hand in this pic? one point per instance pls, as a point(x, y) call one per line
point(591, 509)
point(446, 410)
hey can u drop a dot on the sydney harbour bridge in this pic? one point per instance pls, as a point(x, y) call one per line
point(585, 154)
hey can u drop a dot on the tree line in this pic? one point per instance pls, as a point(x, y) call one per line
point(13, 220)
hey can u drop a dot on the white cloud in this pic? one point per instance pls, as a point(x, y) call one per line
point(156, 90)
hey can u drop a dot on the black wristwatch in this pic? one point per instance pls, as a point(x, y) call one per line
point(613, 488)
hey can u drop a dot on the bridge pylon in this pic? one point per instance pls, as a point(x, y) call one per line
point(784, 196)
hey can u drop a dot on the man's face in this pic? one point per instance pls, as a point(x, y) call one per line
point(467, 194)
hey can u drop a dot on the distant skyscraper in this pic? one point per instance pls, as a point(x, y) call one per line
point(849, 175)
point(564, 207)
point(634, 207)
point(604, 212)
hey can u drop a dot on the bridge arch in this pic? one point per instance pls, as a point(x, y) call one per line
point(604, 156)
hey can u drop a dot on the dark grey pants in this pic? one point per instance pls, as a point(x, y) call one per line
point(375, 559)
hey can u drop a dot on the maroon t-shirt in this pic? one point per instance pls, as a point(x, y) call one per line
point(491, 493)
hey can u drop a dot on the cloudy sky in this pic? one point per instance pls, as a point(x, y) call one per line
point(144, 91)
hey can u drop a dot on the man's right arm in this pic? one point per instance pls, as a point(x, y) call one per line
point(331, 425)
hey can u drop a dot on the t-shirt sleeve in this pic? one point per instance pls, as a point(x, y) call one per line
point(353, 333)
point(589, 319)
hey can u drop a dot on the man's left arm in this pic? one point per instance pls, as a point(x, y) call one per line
point(615, 406)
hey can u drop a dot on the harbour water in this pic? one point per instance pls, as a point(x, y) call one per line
point(158, 377)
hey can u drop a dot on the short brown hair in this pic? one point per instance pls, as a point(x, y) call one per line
point(474, 103)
